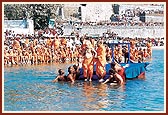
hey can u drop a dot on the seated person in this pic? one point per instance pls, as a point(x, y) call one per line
point(61, 76)
point(114, 77)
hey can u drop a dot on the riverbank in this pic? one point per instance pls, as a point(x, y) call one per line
point(122, 31)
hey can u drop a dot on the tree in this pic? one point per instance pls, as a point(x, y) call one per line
point(40, 13)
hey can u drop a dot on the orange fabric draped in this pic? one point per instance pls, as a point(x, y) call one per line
point(27, 41)
point(149, 49)
point(56, 44)
point(149, 45)
point(101, 61)
point(49, 42)
point(83, 46)
point(63, 53)
point(145, 54)
point(87, 66)
point(16, 44)
point(64, 41)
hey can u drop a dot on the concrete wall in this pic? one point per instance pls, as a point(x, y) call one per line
point(15, 25)
point(154, 32)
point(96, 12)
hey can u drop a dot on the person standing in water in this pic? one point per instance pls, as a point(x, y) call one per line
point(88, 62)
point(101, 61)
point(149, 48)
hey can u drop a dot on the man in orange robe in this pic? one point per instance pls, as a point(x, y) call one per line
point(64, 42)
point(101, 61)
point(88, 62)
point(56, 43)
point(149, 48)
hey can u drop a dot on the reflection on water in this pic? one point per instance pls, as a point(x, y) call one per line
point(88, 91)
point(96, 95)
point(29, 88)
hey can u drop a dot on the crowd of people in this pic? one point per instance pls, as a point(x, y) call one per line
point(136, 16)
point(99, 57)
point(120, 24)
point(91, 57)
point(36, 49)
point(46, 46)
point(84, 51)
point(112, 37)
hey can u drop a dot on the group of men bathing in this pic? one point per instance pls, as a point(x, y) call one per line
point(91, 57)
point(98, 57)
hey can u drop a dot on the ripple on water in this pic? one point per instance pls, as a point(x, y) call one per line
point(29, 88)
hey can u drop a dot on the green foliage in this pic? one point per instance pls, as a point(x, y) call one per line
point(40, 13)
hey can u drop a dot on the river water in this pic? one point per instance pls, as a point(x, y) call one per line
point(29, 88)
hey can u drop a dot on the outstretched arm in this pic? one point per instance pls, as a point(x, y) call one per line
point(56, 79)
point(107, 80)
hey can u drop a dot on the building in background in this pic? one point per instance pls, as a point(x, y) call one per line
point(96, 12)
